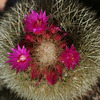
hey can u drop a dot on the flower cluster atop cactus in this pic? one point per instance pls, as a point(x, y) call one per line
point(45, 52)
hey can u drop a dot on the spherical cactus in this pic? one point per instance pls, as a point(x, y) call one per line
point(56, 55)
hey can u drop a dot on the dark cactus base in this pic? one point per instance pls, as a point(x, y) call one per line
point(95, 4)
point(5, 94)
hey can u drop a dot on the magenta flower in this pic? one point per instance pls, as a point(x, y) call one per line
point(70, 57)
point(52, 77)
point(35, 71)
point(30, 38)
point(19, 59)
point(36, 23)
point(54, 29)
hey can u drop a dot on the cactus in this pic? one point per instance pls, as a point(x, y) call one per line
point(83, 29)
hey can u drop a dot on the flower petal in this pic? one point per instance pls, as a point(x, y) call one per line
point(52, 77)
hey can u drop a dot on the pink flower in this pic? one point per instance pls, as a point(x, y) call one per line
point(19, 59)
point(47, 35)
point(54, 29)
point(52, 77)
point(36, 23)
point(57, 37)
point(63, 44)
point(64, 35)
point(59, 68)
point(35, 71)
point(30, 38)
point(70, 57)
